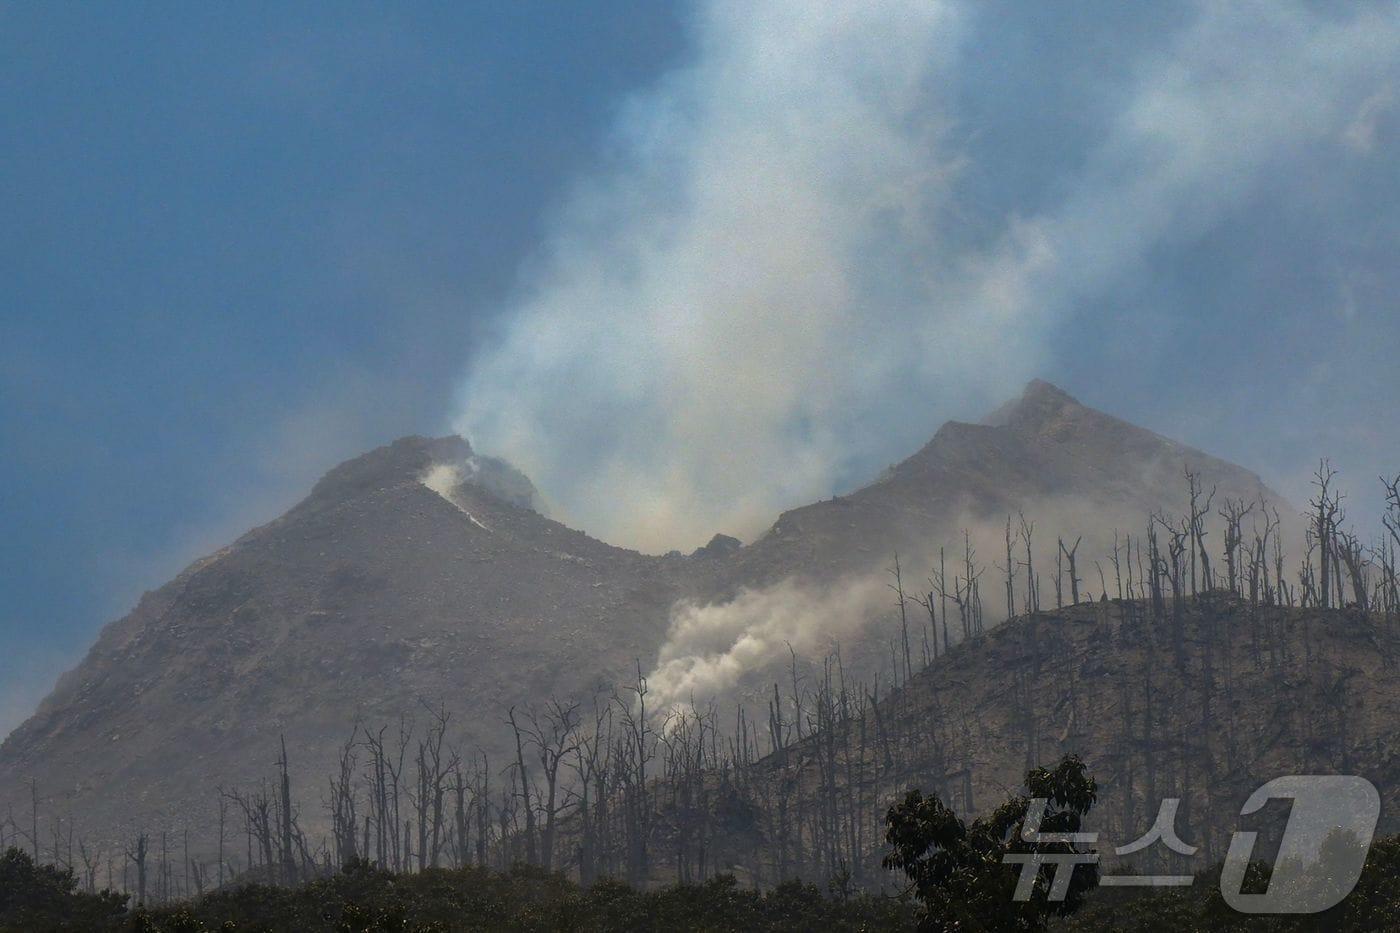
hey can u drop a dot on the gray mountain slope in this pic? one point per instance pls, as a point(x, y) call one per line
point(376, 594)
point(1073, 470)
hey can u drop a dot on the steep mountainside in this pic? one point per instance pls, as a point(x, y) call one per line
point(417, 572)
point(372, 593)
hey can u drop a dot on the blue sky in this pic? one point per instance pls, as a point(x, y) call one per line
point(243, 242)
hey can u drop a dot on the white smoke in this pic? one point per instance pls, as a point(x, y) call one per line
point(443, 478)
point(712, 314)
point(765, 281)
point(710, 647)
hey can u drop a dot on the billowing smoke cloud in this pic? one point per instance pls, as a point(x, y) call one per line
point(710, 647)
point(768, 276)
point(713, 313)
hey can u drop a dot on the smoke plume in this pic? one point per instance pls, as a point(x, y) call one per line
point(710, 647)
point(714, 313)
point(769, 288)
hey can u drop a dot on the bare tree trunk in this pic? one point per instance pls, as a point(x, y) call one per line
point(523, 776)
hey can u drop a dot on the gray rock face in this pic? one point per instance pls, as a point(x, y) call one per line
point(378, 592)
point(718, 546)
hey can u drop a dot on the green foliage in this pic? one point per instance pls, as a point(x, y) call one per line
point(365, 899)
point(958, 871)
point(35, 898)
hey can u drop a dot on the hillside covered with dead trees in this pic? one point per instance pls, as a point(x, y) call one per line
point(1196, 660)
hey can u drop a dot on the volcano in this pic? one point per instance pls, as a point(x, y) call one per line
point(423, 572)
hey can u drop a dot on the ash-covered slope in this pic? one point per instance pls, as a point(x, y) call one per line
point(416, 573)
point(1072, 469)
point(372, 594)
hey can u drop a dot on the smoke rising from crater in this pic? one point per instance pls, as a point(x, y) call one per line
point(769, 279)
point(717, 310)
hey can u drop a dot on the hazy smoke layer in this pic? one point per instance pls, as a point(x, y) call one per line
point(766, 280)
point(710, 648)
point(713, 314)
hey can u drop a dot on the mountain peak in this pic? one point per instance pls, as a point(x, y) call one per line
point(1040, 389)
point(1040, 401)
point(405, 459)
point(370, 595)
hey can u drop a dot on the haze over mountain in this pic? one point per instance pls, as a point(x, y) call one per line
point(419, 572)
point(806, 237)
